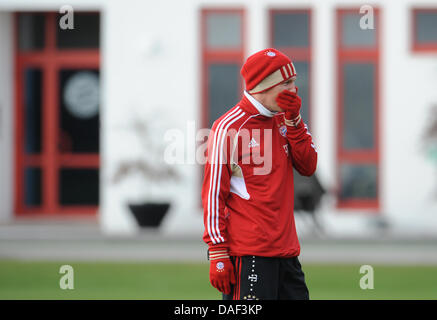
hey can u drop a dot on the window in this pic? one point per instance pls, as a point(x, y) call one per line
point(290, 32)
point(222, 45)
point(358, 111)
point(424, 33)
point(86, 35)
point(57, 114)
point(224, 85)
point(31, 31)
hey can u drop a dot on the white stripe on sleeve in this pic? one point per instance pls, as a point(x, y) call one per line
point(211, 232)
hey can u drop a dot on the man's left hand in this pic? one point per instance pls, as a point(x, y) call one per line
point(290, 102)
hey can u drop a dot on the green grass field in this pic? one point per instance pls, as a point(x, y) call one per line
point(165, 281)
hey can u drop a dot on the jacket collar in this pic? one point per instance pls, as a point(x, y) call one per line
point(257, 106)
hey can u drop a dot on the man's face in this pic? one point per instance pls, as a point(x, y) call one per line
point(269, 97)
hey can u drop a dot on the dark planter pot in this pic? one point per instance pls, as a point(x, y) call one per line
point(149, 214)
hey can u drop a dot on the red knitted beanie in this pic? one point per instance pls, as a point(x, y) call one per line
point(266, 69)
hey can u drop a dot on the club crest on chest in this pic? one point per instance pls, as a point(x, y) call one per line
point(283, 131)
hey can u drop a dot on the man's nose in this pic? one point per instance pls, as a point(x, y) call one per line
point(294, 88)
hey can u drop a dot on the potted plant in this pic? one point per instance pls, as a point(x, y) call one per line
point(150, 172)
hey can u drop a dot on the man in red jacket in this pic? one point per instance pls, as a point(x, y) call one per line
point(247, 191)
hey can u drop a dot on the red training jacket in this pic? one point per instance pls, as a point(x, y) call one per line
point(247, 192)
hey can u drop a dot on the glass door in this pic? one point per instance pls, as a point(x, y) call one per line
point(57, 122)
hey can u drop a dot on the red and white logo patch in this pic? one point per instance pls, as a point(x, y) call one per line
point(220, 266)
point(271, 54)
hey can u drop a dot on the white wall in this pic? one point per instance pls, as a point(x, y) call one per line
point(410, 89)
point(151, 67)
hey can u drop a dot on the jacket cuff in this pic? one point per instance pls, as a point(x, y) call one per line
point(293, 122)
point(218, 252)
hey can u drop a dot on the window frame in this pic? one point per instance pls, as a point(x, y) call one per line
point(296, 54)
point(415, 46)
point(50, 59)
point(211, 56)
point(364, 156)
point(216, 56)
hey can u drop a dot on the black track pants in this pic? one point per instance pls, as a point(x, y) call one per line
point(268, 278)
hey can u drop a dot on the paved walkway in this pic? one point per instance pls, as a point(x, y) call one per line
point(85, 242)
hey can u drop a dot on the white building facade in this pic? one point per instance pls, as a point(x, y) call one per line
point(139, 77)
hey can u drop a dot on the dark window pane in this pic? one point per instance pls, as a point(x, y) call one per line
point(32, 187)
point(358, 108)
point(223, 89)
point(426, 27)
point(302, 82)
point(79, 186)
point(86, 32)
point(31, 31)
point(358, 181)
point(32, 110)
point(290, 30)
point(79, 116)
point(223, 30)
point(353, 35)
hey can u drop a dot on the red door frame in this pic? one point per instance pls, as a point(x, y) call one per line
point(345, 55)
point(297, 54)
point(50, 160)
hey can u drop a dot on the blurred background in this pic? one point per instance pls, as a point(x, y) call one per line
point(96, 96)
